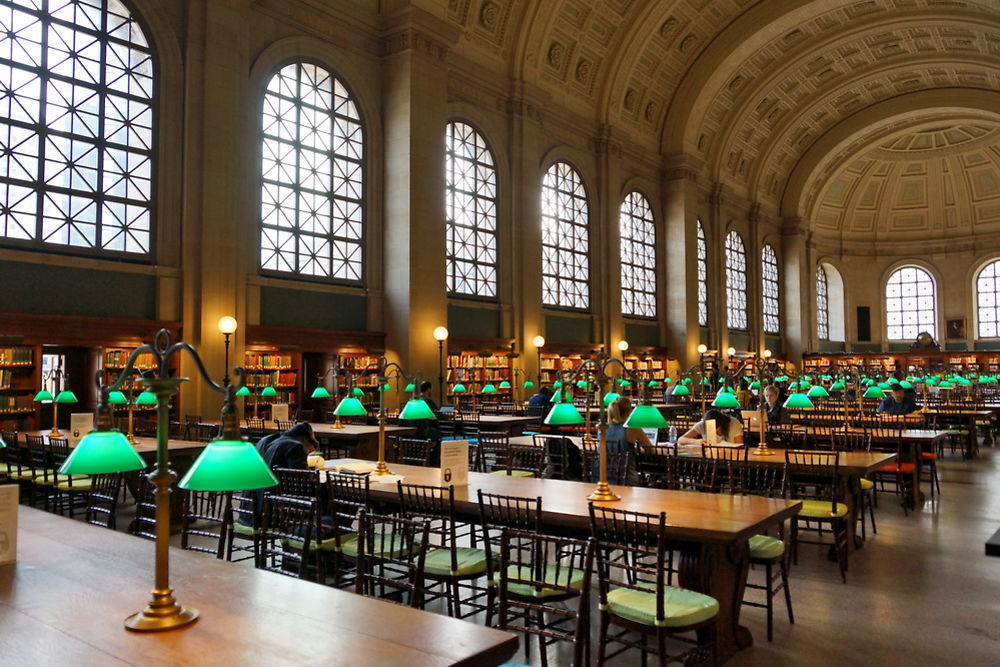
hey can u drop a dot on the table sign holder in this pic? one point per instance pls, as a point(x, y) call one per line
point(454, 463)
point(8, 523)
point(80, 424)
point(279, 411)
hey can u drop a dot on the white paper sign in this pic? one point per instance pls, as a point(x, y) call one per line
point(455, 462)
point(279, 411)
point(652, 434)
point(711, 436)
point(80, 424)
point(8, 523)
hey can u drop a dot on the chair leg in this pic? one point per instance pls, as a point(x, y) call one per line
point(783, 563)
point(769, 591)
point(602, 640)
point(871, 511)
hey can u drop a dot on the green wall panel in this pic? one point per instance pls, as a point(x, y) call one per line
point(774, 343)
point(988, 344)
point(866, 347)
point(562, 329)
point(284, 307)
point(956, 347)
point(831, 346)
point(473, 322)
point(643, 335)
point(739, 339)
point(63, 290)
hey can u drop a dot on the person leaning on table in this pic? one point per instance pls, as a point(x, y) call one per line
point(897, 403)
point(289, 449)
point(727, 429)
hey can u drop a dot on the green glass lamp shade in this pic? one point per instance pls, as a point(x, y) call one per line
point(581, 384)
point(556, 384)
point(905, 384)
point(149, 398)
point(682, 390)
point(839, 385)
point(489, 388)
point(385, 387)
point(706, 381)
point(564, 414)
point(882, 385)
point(117, 398)
point(755, 384)
point(410, 388)
point(561, 396)
point(505, 385)
point(228, 465)
point(268, 392)
point(944, 384)
point(817, 392)
point(243, 391)
point(624, 383)
point(807, 378)
point(686, 381)
point(320, 392)
point(725, 400)
point(459, 389)
point(2, 443)
point(931, 382)
point(43, 395)
point(668, 380)
point(645, 416)
point(965, 382)
point(350, 407)
point(725, 390)
point(102, 452)
point(873, 392)
point(610, 397)
point(417, 409)
point(798, 401)
point(804, 386)
point(653, 384)
point(868, 382)
point(528, 384)
point(66, 396)
point(357, 392)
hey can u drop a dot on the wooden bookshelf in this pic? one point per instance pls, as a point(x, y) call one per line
point(271, 367)
point(476, 369)
point(19, 380)
point(888, 363)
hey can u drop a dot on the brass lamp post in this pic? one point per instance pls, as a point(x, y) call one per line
point(321, 392)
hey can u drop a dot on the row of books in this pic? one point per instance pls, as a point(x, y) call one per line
point(477, 375)
point(16, 403)
point(476, 361)
point(358, 363)
point(6, 379)
point(18, 355)
point(650, 365)
point(267, 360)
point(118, 359)
point(272, 379)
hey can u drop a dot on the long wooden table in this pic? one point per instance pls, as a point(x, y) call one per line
point(510, 424)
point(63, 602)
point(364, 435)
point(146, 447)
point(711, 530)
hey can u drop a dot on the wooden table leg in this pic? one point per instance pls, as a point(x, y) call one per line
point(720, 570)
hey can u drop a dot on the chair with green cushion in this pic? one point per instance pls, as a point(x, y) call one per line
point(526, 461)
point(453, 561)
point(691, 473)
point(12, 462)
point(761, 479)
point(845, 440)
point(814, 478)
point(286, 536)
point(143, 524)
point(390, 558)
point(102, 499)
point(70, 490)
point(539, 574)
point(634, 597)
point(496, 513)
point(39, 466)
point(347, 495)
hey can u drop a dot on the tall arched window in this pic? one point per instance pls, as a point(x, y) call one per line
point(822, 304)
point(565, 239)
point(471, 209)
point(988, 301)
point(736, 282)
point(76, 128)
point(702, 275)
point(910, 304)
point(770, 308)
point(312, 177)
point(638, 257)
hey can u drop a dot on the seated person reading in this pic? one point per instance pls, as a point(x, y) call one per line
point(727, 429)
point(897, 403)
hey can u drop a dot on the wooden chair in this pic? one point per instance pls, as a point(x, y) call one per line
point(413, 451)
point(525, 461)
point(283, 425)
point(691, 473)
point(256, 429)
point(347, 495)
point(143, 524)
point(39, 466)
point(496, 513)
point(10, 457)
point(204, 521)
point(539, 574)
point(632, 564)
point(652, 464)
point(286, 535)
point(813, 477)
point(390, 560)
point(492, 451)
point(102, 499)
point(449, 567)
point(562, 458)
point(70, 490)
point(761, 479)
point(303, 415)
point(242, 525)
point(203, 432)
point(297, 483)
point(726, 458)
point(192, 419)
point(845, 440)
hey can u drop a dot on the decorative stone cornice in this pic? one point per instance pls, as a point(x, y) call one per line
point(682, 166)
point(413, 29)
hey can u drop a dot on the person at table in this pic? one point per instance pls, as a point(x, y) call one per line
point(538, 405)
point(897, 403)
point(776, 412)
point(727, 429)
point(622, 439)
point(288, 449)
point(668, 395)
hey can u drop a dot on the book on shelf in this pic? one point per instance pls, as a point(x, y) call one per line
point(17, 403)
point(267, 360)
point(271, 379)
point(118, 359)
point(17, 355)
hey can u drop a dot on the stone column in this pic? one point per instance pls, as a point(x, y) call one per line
point(798, 296)
point(678, 250)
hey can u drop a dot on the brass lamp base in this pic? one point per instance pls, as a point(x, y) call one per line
point(55, 433)
point(603, 493)
point(162, 613)
point(762, 450)
point(381, 469)
point(336, 423)
point(131, 439)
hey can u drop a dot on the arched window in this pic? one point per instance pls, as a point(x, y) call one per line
point(471, 209)
point(565, 239)
point(736, 282)
point(76, 128)
point(822, 304)
point(910, 304)
point(769, 290)
point(988, 301)
point(638, 257)
point(312, 177)
point(702, 275)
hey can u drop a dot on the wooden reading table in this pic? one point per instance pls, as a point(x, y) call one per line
point(365, 436)
point(63, 602)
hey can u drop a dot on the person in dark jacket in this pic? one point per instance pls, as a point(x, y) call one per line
point(289, 449)
point(776, 412)
point(896, 404)
point(539, 404)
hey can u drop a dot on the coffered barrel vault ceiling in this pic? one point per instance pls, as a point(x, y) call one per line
point(750, 87)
